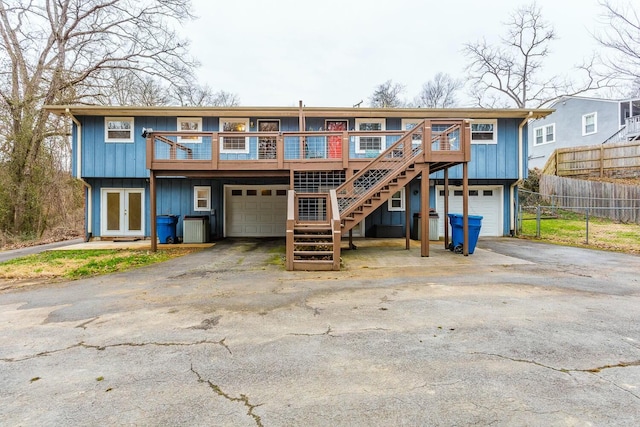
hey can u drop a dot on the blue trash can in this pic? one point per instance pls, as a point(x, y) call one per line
point(457, 232)
point(166, 227)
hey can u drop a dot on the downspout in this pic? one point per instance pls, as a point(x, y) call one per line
point(79, 175)
point(512, 196)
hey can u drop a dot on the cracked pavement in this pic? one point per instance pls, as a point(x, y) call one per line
point(519, 333)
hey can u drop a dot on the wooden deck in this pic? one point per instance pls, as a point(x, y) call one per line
point(276, 154)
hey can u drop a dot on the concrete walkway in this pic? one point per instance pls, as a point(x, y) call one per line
point(519, 333)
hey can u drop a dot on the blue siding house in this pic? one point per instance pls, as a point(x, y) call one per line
point(231, 169)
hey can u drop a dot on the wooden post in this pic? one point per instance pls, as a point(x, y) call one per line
point(280, 151)
point(601, 160)
point(215, 150)
point(446, 208)
point(407, 215)
point(345, 149)
point(152, 197)
point(465, 208)
point(424, 210)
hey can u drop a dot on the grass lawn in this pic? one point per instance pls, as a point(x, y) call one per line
point(76, 264)
point(571, 229)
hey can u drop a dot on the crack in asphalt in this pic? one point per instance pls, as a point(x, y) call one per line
point(82, 344)
point(327, 332)
point(244, 399)
point(593, 371)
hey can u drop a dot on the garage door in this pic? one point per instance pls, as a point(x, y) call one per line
point(483, 200)
point(255, 210)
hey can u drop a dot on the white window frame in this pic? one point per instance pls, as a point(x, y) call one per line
point(584, 123)
point(402, 200)
point(405, 128)
point(493, 122)
point(383, 139)
point(544, 135)
point(246, 139)
point(206, 198)
point(119, 119)
point(191, 122)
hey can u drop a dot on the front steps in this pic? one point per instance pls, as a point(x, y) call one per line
point(313, 247)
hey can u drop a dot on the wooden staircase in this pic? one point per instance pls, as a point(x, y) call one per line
point(313, 231)
point(316, 221)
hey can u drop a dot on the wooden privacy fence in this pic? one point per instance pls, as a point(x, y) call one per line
point(602, 199)
point(614, 160)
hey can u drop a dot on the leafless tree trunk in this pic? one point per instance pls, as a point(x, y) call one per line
point(66, 51)
point(510, 73)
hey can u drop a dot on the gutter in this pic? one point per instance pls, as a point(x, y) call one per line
point(512, 197)
point(89, 231)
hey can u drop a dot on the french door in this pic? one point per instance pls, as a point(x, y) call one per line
point(122, 212)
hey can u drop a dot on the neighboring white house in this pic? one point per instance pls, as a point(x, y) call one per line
point(581, 121)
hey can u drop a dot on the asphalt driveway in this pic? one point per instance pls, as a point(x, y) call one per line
point(519, 333)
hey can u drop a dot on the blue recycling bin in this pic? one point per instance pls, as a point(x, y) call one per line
point(166, 227)
point(457, 232)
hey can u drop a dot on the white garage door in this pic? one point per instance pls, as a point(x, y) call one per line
point(483, 200)
point(255, 210)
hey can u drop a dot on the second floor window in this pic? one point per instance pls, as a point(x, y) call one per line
point(544, 134)
point(118, 129)
point(189, 124)
point(484, 132)
point(589, 124)
point(370, 143)
point(234, 144)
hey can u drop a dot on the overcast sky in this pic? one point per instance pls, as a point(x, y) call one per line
point(335, 52)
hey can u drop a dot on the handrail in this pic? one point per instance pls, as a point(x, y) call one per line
point(350, 194)
point(336, 228)
point(291, 223)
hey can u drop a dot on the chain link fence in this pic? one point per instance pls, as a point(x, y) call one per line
point(578, 219)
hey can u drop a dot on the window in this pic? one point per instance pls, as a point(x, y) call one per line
point(201, 198)
point(234, 144)
point(370, 144)
point(407, 125)
point(589, 124)
point(189, 124)
point(267, 144)
point(396, 202)
point(484, 132)
point(544, 134)
point(118, 129)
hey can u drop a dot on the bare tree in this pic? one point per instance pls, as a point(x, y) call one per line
point(439, 92)
point(196, 95)
point(130, 88)
point(387, 95)
point(510, 73)
point(65, 51)
point(225, 99)
point(622, 39)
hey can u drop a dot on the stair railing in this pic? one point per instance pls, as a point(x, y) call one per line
point(388, 165)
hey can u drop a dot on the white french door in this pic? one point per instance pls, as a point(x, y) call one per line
point(122, 212)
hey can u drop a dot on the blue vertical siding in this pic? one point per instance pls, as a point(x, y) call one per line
point(493, 161)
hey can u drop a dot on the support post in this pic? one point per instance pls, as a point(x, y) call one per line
point(446, 208)
point(152, 197)
point(424, 209)
point(407, 216)
point(465, 208)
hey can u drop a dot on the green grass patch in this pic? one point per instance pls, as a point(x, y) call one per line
point(571, 229)
point(76, 264)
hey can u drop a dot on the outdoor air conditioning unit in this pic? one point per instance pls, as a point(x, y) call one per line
point(195, 229)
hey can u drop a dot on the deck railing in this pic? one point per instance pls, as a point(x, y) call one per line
point(231, 150)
